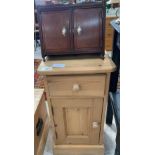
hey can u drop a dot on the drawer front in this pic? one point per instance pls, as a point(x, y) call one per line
point(92, 85)
point(40, 118)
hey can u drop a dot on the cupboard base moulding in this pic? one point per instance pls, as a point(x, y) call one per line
point(78, 149)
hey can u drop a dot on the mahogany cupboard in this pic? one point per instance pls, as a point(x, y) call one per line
point(72, 29)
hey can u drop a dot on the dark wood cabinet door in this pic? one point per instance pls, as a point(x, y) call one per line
point(55, 27)
point(88, 30)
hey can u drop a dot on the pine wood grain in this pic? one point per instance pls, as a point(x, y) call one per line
point(74, 118)
point(77, 99)
point(89, 86)
point(101, 141)
point(40, 113)
point(78, 66)
point(109, 32)
point(38, 93)
point(44, 138)
point(78, 150)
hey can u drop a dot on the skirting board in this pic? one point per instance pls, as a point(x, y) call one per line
point(78, 150)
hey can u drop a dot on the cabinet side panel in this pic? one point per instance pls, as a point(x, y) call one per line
point(51, 121)
point(101, 141)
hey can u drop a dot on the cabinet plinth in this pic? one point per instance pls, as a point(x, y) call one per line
point(77, 99)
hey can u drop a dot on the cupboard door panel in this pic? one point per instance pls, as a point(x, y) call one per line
point(56, 31)
point(75, 120)
point(88, 29)
point(80, 116)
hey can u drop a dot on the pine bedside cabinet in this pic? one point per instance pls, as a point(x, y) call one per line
point(77, 91)
point(41, 121)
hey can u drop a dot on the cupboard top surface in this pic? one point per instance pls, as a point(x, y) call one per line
point(43, 3)
point(76, 66)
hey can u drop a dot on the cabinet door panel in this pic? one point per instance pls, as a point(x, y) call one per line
point(74, 119)
point(88, 29)
point(56, 31)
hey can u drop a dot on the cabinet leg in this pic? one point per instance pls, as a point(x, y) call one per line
point(109, 113)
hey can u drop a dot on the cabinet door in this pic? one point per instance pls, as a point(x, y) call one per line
point(55, 27)
point(77, 121)
point(88, 30)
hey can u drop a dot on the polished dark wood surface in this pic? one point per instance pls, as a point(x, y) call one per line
point(90, 17)
point(91, 24)
point(52, 24)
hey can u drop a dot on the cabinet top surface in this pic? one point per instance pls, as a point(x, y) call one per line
point(76, 66)
point(37, 97)
point(43, 3)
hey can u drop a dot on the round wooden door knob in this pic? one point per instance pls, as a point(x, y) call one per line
point(76, 87)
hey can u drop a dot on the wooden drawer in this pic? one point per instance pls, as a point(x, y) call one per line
point(40, 123)
point(91, 85)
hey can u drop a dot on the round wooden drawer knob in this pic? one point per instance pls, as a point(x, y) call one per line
point(76, 87)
